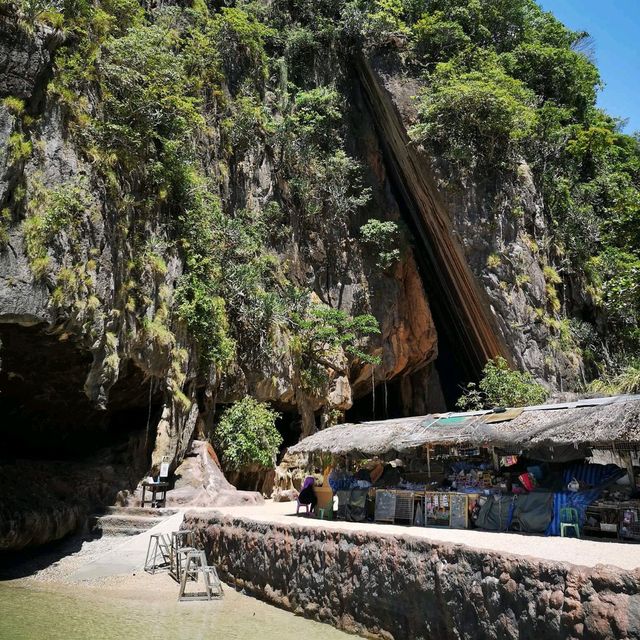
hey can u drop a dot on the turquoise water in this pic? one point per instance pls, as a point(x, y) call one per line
point(28, 613)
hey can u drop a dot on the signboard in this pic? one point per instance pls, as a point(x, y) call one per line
point(436, 509)
point(385, 506)
point(459, 511)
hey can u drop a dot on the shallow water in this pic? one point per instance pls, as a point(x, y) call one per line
point(28, 613)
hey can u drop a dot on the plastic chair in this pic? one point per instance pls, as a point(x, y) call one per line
point(308, 482)
point(569, 519)
point(299, 506)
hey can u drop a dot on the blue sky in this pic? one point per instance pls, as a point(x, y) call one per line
point(615, 28)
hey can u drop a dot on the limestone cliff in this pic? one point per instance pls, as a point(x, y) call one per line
point(182, 185)
point(91, 346)
point(121, 364)
point(500, 240)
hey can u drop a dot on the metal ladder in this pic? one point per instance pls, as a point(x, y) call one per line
point(195, 565)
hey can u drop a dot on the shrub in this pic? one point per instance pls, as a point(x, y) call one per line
point(14, 105)
point(19, 147)
point(559, 74)
point(5, 223)
point(626, 380)
point(324, 331)
point(316, 114)
point(243, 37)
point(502, 386)
point(493, 261)
point(205, 315)
point(385, 17)
point(383, 236)
point(247, 435)
point(552, 278)
point(52, 212)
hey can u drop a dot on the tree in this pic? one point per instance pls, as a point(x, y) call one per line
point(626, 381)
point(474, 118)
point(326, 330)
point(436, 39)
point(247, 434)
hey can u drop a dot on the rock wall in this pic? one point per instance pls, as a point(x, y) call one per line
point(499, 227)
point(199, 482)
point(393, 587)
point(45, 500)
point(462, 309)
point(88, 339)
point(94, 319)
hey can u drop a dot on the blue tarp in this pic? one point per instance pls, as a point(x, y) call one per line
point(598, 475)
point(594, 474)
point(580, 500)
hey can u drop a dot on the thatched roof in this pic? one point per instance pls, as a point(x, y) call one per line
point(599, 423)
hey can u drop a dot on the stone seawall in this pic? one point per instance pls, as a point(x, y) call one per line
point(399, 587)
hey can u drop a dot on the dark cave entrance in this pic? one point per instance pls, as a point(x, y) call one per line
point(45, 412)
point(289, 424)
point(62, 457)
point(418, 393)
point(453, 376)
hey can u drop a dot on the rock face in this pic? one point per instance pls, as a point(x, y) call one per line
point(115, 344)
point(80, 367)
point(390, 587)
point(44, 500)
point(463, 311)
point(201, 483)
point(93, 348)
point(500, 241)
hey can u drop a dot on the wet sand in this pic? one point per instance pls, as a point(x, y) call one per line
point(41, 597)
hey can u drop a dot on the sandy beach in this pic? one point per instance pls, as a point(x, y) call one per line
point(65, 592)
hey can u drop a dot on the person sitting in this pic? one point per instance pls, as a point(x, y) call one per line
point(307, 494)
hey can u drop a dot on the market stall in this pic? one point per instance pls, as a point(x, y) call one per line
point(533, 470)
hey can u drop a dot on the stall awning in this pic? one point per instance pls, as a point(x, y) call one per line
point(596, 423)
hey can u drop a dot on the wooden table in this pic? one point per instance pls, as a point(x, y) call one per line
point(155, 488)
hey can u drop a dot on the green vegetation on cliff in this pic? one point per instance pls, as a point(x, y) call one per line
point(506, 83)
point(501, 386)
point(170, 105)
point(177, 86)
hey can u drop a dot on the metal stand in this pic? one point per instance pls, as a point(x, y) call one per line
point(196, 565)
point(158, 553)
point(181, 543)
